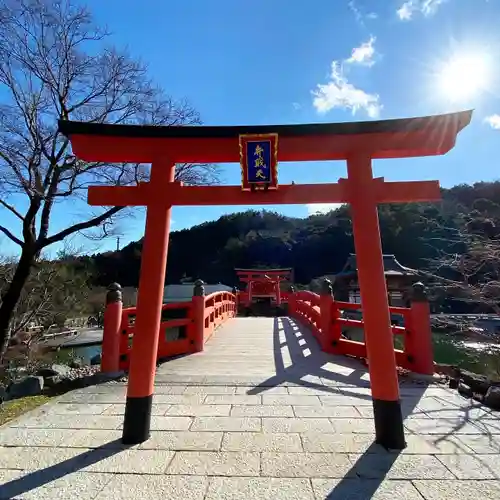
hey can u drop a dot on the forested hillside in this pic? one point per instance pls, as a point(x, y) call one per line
point(417, 234)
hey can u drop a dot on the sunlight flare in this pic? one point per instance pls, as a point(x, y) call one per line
point(464, 76)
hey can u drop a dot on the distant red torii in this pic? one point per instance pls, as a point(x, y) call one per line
point(271, 277)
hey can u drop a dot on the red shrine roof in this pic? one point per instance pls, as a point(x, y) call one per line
point(397, 138)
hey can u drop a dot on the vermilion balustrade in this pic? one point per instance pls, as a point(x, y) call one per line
point(323, 315)
point(184, 327)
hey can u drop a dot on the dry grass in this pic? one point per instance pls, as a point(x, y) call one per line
point(12, 409)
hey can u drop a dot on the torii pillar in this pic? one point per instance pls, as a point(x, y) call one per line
point(136, 425)
point(379, 339)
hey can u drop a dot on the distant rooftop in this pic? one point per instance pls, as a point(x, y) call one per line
point(184, 292)
point(392, 267)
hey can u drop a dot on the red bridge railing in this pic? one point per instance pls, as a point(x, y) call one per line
point(184, 326)
point(325, 318)
point(243, 297)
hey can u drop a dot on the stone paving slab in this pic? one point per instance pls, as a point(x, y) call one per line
point(472, 466)
point(262, 411)
point(291, 426)
point(34, 458)
point(56, 421)
point(33, 486)
point(215, 463)
point(326, 411)
point(385, 465)
point(130, 461)
point(365, 489)
point(259, 441)
point(165, 487)
point(449, 426)
point(238, 488)
point(228, 424)
point(206, 410)
point(158, 409)
point(305, 464)
point(340, 443)
point(482, 444)
point(458, 490)
point(184, 441)
point(209, 390)
point(279, 424)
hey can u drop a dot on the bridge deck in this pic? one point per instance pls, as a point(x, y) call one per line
point(260, 414)
point(265, 352)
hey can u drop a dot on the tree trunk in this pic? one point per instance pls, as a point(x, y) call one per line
point(12, 295)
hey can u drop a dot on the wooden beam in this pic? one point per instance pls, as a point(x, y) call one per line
point(396, 192)
point(296, 194)
point(119, 196)
point(408, 192)
point(293, 194)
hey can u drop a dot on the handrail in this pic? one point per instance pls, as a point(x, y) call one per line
point(307, 296)
point(213, 310)
point(184, 327)
point(223, 295)
point(323, 315)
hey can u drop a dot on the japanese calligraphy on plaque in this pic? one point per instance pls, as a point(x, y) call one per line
point(259, 160)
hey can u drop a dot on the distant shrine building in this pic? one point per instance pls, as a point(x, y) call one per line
point(398, 278)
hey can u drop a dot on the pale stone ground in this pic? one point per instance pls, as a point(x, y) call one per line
point(261, 414)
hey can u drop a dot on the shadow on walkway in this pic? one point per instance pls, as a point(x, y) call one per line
point(310, 364)
point(308, 369)
point(41, 477)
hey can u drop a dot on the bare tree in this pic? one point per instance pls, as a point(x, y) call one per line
point(53, 291)
point(476, 273)
point(54, 64)
point(467, 268)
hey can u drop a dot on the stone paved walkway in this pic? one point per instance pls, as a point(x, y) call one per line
point(261, 414)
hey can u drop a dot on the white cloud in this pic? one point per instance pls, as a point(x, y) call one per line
point(493, 121)
point(322, 208)
point(339, 93)
point(411, 7)
point(363, 54)
point(355, 10)
point(358, 14)
point(296, 106)
point(405, 12)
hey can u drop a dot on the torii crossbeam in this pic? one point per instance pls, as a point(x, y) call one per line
point(357, 143)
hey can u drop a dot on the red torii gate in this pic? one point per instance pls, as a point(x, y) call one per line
point(358, 143)
point(273, 277)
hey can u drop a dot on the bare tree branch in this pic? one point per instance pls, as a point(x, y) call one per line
point(9, 235)
point(81, 226)
point(12, 209)
point(54, 66)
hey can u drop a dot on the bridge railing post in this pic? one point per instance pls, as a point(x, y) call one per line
point(198, 314)
point(418, 342)
point(277, 290)
point(250, 293)
point(336, 328)
point(110, 356)
point(292, 304)
point(236, 300)
point(326, 309)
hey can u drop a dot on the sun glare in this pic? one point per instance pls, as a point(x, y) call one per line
point(464, 76)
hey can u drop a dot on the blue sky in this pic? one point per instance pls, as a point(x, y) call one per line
point(275, 62)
